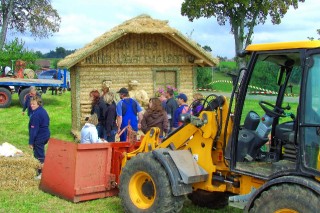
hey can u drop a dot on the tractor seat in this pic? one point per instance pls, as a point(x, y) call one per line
point(286, 134)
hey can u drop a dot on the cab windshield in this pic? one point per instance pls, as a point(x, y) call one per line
point(267, 138)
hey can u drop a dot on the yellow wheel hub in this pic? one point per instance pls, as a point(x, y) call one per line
point(142, 190)
point(286, 211)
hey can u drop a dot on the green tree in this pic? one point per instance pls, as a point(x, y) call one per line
point(265, 74)
point(243, 15)
point(39, 54)
point(227, 66)
point(312, 38)
point(61, 52)
point(221, 58)
point(35, 16)
point(55, 62)
point(207, 48)
point(15, 51)
point(204, 77)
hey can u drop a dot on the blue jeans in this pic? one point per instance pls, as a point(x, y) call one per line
point(39, 151)
point(112, 136)
point(101, 131)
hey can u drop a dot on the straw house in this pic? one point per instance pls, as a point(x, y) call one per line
point(142, 49)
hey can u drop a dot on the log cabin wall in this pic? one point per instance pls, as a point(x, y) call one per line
point(140, 57)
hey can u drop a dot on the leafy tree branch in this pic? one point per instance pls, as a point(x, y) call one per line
point(34, 16)
point(242, 15)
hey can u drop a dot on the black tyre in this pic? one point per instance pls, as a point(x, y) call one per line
point(5, 97)
point(145, 187)
point(286, 198)
point(212, 200)
point(22, 95)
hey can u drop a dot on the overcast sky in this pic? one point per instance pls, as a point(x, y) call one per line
point(83, 20)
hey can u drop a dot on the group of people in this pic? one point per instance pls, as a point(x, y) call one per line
point(112, 118)
point(109, 118)
point(175, 107)
point(101, 125)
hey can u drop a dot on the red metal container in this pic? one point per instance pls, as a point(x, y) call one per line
point(79, 172)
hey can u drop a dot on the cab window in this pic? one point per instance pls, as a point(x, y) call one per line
point(311, 122)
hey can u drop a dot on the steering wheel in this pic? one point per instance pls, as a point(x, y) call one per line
point(275, 112)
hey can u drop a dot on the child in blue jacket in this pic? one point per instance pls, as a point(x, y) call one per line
point(182, 109)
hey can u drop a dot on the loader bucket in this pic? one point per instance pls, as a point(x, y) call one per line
point(80, 172)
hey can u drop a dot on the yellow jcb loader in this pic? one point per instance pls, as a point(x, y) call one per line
point(258, 149)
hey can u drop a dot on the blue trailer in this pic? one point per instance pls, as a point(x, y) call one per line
point(9, 85)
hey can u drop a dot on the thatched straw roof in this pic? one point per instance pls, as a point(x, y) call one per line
point(142, 24)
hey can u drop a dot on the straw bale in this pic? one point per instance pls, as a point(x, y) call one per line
point(84, 113)
point(85, 104)
point(18, 185)
point(29, 73)
point(86, 108)
point(18, 173)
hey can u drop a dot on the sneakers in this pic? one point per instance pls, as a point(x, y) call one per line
point(38, 177)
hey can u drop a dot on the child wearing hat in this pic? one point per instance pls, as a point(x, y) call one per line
point(183, 108)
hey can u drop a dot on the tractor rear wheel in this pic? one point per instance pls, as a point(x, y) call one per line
point(212, 200)
point(22, 95)
point(5, 97)
point(145, 187)
point(286, 198)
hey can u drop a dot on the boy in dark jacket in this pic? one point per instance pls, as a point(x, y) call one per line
point(171, 106)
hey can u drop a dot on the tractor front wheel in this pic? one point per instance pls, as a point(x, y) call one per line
point(286, 198)
point(145, 187)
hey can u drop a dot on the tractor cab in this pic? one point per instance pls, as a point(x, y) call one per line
point(277, 112)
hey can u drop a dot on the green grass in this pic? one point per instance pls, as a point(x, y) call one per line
point(14, 129)
point(219, 86)
point(15, 126)
point(227, 65)
point(34, 200)
point(221, 82)
point(254, 105)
